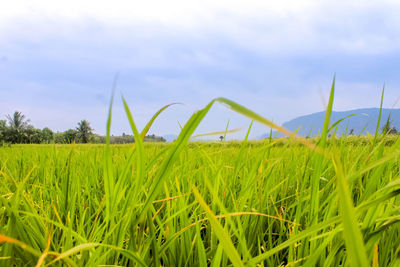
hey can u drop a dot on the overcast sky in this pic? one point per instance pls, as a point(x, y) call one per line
point(278, 58)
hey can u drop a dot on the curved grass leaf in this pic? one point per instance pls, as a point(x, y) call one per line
point(352, 234)
point(219, 231)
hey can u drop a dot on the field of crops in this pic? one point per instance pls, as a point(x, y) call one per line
point(219, 204)
point(296, 202)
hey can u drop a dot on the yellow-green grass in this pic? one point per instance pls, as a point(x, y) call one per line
point(255, 209)
point(297, 202)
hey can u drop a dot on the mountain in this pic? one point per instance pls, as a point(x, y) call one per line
point(170, 137)
point(364, 121)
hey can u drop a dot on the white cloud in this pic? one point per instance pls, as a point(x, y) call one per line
point(125, 11)
point(272, 56)
point(268, 27)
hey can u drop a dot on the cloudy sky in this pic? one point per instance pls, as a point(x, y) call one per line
point(58, 59)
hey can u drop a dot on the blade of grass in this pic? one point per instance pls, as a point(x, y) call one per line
point(352, 234)
point(150, 123)
point(219, 231)
point(108, 172)
point(342, 119)
point(139, 149)
point(25, 247)
point(218, 133)
point(316, 176)
point(226, 130)
point(328, 115)
point(166, 166)
point(256, 117)
point(379, 118)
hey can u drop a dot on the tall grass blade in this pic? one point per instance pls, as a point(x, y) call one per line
point(108, 172)
point(328, 115)
point(139, 149)
point(220, 232)
point(379, 117)
point(150, 123)
point(316, 177)
point(167, 164)
point(352, 234)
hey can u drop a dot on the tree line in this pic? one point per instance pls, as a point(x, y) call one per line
point(16, 129)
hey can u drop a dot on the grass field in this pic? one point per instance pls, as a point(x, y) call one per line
point(295, 202)
point(221, 203)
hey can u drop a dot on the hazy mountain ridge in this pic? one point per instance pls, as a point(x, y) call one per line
point(170, 137)
point(365, 121)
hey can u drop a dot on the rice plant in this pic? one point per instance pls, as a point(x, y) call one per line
point(277, 202)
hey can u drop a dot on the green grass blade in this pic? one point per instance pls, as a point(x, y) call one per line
point(226, 130)
point(328, 115)
point(258, 118)
point(218, 133)
point(74, 250)
point(150, 123)
point(352, 234)
point(139, 149)
point(202, 258)
point(108, 171)
point(316, 177)
point(219, 231)
point(167, 164)
point(379, 118)
point(342, 119)
point(153, 238)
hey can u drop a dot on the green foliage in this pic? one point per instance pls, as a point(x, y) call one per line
point(17, 129)
point(70, 136)
point(3, 128)
point(20, 131)
point(387, 128)
point(83, 131)
point(47, 135)
point(17, 121)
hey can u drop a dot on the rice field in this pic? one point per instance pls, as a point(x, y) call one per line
point(277, 202)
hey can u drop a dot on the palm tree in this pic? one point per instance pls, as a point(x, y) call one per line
point(18, 125)
point(84, 131)
point(17, 121)
point(2, 130)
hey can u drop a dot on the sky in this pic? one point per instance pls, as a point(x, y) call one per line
point(58, 60)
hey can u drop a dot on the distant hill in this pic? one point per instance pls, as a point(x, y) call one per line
point(365, 121)
point(170, 137)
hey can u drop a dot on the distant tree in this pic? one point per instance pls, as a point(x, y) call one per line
point(47, 135)
point(393, 130)
point(17, 121)
point(84, 131)
point(70, 136)
point(18, 124)
point(351, 131)
point(95, 139)
point(3, 127)
point(152, 138)
point(59, 138)
point(32, 135)
point(387, 128)
point(221, 138)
